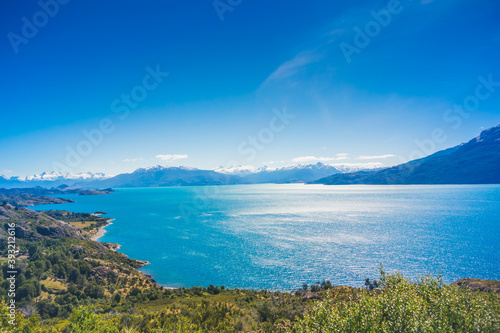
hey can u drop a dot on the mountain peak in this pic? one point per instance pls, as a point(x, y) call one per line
point(490, 134)
point(163, 168)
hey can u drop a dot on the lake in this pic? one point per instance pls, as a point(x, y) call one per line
point(281, 236)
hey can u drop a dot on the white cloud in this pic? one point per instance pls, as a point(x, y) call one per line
point(304, 159)
point(6, 171)
point(375, 157)
point(169, 158)
point(133, 160)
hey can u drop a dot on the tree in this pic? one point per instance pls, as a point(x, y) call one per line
point(315, 288)
point(74, 275)
point(94, 291)
point(26, 292)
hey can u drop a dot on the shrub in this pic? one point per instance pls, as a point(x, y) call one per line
point(425, 305)
point(84, 320)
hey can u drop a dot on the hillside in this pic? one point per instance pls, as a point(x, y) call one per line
point(34, 196)
point(475, 162)
point(28, 200)
point(57, 264)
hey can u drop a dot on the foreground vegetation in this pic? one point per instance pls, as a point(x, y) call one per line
point(67, 283)
point(426, 305)
point(400, 305)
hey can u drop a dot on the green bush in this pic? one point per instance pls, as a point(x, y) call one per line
point(401, 305)
point(84, 320)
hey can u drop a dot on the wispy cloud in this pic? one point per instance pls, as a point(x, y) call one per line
point(337, 32)
point(304, 159)
point(294, 66)
point(6, 171)
point(375, 157)
point(169, 158)
point(133, 160)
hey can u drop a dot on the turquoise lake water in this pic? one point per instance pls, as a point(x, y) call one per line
point(281, 236)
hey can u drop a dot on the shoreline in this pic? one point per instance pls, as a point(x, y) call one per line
point(115, 246)
point(101, 232)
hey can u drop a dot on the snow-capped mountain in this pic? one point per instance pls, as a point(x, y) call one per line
point(355, 167)
point(52, 179)
point(238, 170)
point(291, 174)
point(163, 168)
point(53, 176)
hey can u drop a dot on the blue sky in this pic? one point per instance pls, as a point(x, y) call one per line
point(204, 83)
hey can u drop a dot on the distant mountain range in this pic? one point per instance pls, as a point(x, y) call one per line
point(51, 179)
point(182, 176)
point(474, 162)
point(158, 176)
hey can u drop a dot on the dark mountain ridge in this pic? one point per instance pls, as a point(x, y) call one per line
point(474, 162)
